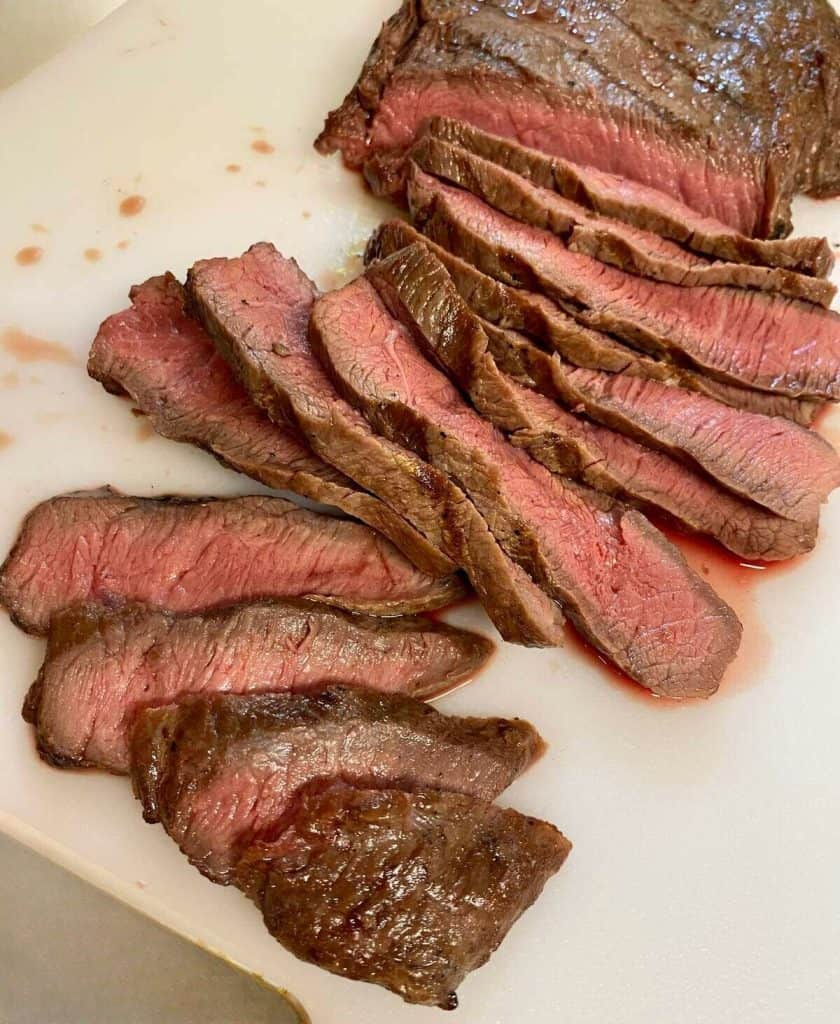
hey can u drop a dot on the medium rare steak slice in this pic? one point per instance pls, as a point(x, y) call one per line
point(610, 241)
point(732, 139)
point(772, 462)
point(539, 317)
point(220, 773)
point(257, 308)
point(416, 288)
point(165, 361)
point(743, 337)
point(633, 203)
point(411, 891)
point(188, 555)
point(101, 666)
point(623, 585)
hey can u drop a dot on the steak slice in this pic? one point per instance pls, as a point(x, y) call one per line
point(257, 308)
point(539, 317)
point(606, 239)
point(189, 555)
point(411, 891)
point(732, 138)
point(622, 584)
point(101, 666)
point(743, 337)
point(771, 462)
point(416, 288)
point(165, 361)
point(638, 205)
point(221, 773)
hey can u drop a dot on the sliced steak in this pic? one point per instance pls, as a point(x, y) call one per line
point(623, 585)
point(606, 239)
point(770, 461)
point(743, 337)
point(411, 891)
point(220, 773)
point(557, 330)
point(257, 308)
point(101, 666)
point(577, 81)
point(638, 205)
point(165, 361)
point(415, 286)
point(188, 555)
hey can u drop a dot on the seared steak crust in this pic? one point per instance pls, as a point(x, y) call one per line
point(411, 891)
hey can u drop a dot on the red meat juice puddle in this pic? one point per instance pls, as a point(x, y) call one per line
point(26, 348)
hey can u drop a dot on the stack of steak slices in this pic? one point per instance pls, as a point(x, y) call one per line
point(361, 824)
point(729, 109)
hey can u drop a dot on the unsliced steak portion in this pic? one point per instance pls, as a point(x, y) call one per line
point(633, 203)
point(101, 666)
point(257, 308)
point(604, 238)
point(166, 362)
point(220, 773)
point(557, 330)
point(731, 138)
point(188, 555)
point(411, 891)
point(743, 337)
point(623, 585)
point(416, 288)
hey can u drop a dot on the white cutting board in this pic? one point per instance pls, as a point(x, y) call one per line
point(704, 883)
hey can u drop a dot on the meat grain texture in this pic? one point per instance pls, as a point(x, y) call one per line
point(193, 555)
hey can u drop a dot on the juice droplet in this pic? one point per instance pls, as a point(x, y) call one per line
point(124, 244)
point(132, 205)
point(261, 146)
point(233, 168)
point(29, 255)
point(28, 349)
point(5, 439)
point(93, 255)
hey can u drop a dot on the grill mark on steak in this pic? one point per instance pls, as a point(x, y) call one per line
point(423, 887)
point(638, 205)
point(743, 337)
point(625, 587)
point(166, 362)
point(220, 773)
point(610, 241)
point(189, 555)
point(540, 318)
point(416, 287)
point(101, 667)
point(257, 308)
point(584, 82)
